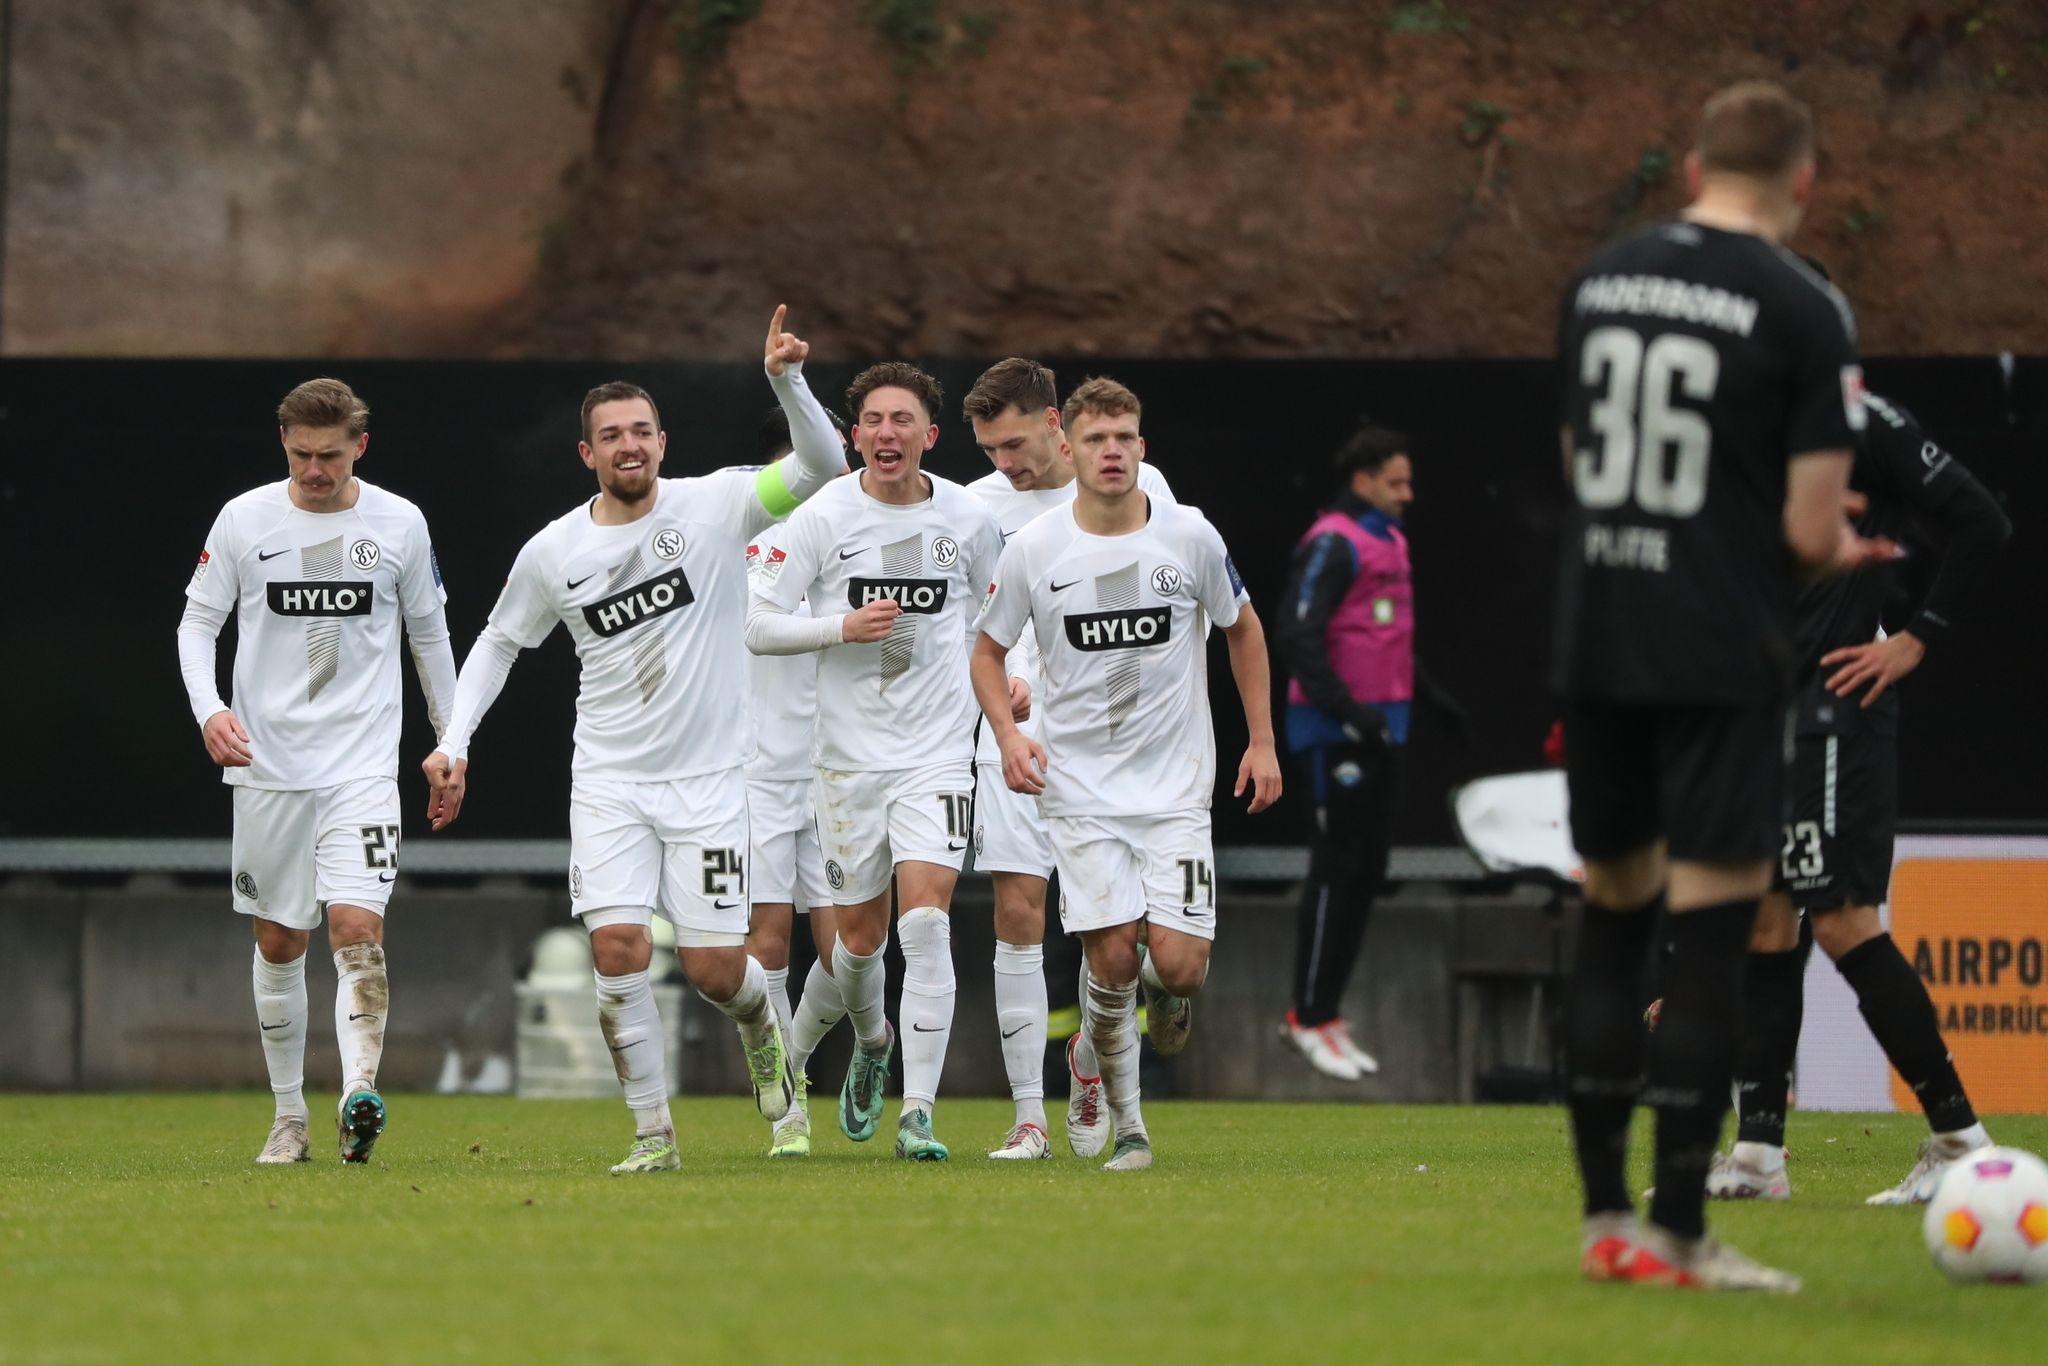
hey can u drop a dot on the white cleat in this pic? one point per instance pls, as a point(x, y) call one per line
point(1026, 1142)
point(1088, 1123)
point(1732, 1177)
point(1936, 1152)
point(1320, 1049)
point(1701, 1264)
point(1339, 1033)
point(287, 1142)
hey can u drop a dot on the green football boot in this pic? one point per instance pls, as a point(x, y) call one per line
point(768, 1066)
point(1133, 1153)
point(860, 1098)
point(914, 1141)
point(362, 1119)
point(792, 1137)
point(651, 1153)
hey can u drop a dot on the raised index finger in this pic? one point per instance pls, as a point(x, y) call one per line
point(775, 326)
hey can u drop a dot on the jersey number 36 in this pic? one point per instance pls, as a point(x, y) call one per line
point(1644, 446)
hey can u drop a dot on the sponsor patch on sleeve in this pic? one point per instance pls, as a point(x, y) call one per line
point(1236, 579)
point(434, 562)
point(1852, 397)
point(198, 574)
point(989, 596)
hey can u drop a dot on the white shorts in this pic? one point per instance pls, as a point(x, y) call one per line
point(1009, 834)
point(788, 867)
point(1116, 870)
point(294, 852)
point(870, 822)
point(679, 847)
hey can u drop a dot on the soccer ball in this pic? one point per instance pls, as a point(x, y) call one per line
point(1988, 1220)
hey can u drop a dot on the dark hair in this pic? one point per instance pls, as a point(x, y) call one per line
point(1369, 449)
point(771, 438)
point(1755, 128)
point(1016, 383)
point(895, 374)
point(1104, 396)
point(612, 392)
point(324, 403)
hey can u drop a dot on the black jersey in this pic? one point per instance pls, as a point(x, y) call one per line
point(1909, 482)
point(1696, 363)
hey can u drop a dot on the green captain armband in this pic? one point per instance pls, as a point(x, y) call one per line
point(773, 490)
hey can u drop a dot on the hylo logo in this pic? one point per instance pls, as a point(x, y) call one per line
point(945, 550)
point(364, 554)
point(1166, 580)
point(668, 544)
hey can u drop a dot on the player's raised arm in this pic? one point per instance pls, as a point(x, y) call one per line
point(817, 453)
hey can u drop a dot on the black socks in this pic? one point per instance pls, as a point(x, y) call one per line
point(1895, 1004)
point(1773, 1006)
point(1692, 1054)
point(1604, 1045)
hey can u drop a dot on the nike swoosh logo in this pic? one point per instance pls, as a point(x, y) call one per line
point(382, 877)
point(724, 905)
point(271, 555)
point(1063, 587)
point(956, 848)
point(575, 584)
point(267, 1028)
point(362, 1017)
point(1018, 1030)
point(920, 1029)
point(849, 554)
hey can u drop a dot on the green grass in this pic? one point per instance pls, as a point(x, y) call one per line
point(135, 1226)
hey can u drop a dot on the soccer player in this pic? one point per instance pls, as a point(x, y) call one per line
point(905, 551)
point(649, 577)
point(788, 869)
point(1711, 400)
point(1347, 635)
point(1118, 591)
point(319, 571)
point(1014, 411)
point(1835, 861)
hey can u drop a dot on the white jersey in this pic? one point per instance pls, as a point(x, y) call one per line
point(1120, 622)
point(318, 599)
point(906, 701)
point(1015, 510)
point(782, 690)
point(657, 611)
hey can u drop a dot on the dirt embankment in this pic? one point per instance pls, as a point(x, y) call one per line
point(1174, 177)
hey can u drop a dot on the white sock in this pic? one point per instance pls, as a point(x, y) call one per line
point(1020, 1021)
point(1084, 1051)
point(362, 1007)
point(817, 1010)
point(281, 1015)
point(632, 1028)
point(1976, 1136)
point(860, 986)
point(749, 1008)
point(1764, 1157)
point(926, 1010)
point(778, 997)
point(1113, 1021)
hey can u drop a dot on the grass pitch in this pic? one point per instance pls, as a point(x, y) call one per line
point(136, 1227)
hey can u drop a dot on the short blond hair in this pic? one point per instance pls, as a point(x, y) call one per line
point(324, 403)
point(1755, 128)
point(1104, 396)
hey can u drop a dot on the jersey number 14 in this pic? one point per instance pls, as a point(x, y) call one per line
point(1645, 448)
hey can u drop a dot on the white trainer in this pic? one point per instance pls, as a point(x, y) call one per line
point(1339, 1033)
point(1025, 1143)
point(287, 1142)
point(1735, 1176)
point(1088, 1122)
point(1662, 1258)
point(1936, 1152)
point(1320, 1050)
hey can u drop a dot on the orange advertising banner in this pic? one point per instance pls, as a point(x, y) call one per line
point(1976, 930)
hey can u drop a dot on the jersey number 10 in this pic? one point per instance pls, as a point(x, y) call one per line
point(1634, 421)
